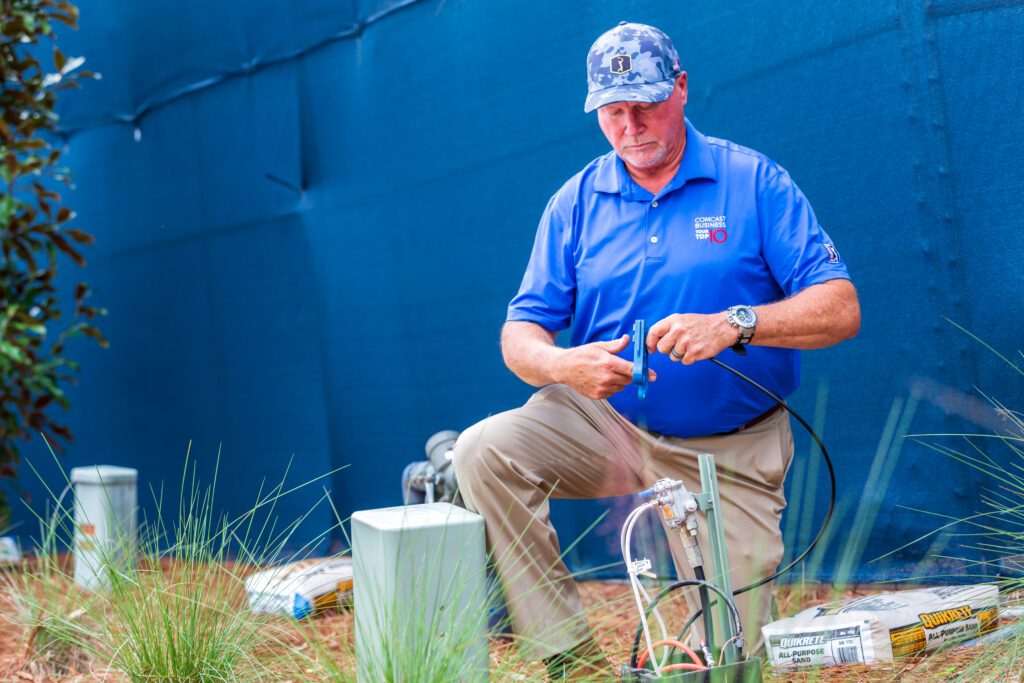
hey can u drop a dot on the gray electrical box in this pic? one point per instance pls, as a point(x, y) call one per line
point(420, 588)
point(105, 531)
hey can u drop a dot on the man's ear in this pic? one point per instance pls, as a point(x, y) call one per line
point(681, 84)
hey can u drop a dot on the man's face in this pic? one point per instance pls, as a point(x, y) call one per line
point(644, 133)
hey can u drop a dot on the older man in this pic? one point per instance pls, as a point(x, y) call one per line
point(715, 243)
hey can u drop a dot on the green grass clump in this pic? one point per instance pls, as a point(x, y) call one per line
point(995, 532)
point(173, 604)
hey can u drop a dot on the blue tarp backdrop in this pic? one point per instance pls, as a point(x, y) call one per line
point(310, 217)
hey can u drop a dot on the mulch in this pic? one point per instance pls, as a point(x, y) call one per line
point(612, 614)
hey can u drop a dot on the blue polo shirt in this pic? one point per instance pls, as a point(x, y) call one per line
point(730, 228)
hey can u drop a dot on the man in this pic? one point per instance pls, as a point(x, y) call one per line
point(715, 245)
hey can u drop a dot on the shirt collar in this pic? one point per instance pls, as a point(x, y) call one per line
point(698, 162)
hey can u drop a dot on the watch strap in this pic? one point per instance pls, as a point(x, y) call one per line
point(744, 334)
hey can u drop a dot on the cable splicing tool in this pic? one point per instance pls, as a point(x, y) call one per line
point(640, 374)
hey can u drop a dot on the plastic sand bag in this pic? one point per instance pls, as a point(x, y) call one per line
point(877, 628)
point(9, 552)
point(300, 589)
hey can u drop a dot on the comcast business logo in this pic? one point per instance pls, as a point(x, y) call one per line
point(711, 228)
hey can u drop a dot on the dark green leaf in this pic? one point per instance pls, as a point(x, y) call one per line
point(90, 331)
point(9, 350)
point(24, 253)
point(42, 191)
point(63, 245)
point(7, 208)
point(80, 236)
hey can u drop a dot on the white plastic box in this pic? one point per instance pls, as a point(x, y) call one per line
point(105, 521)
point(420, 593)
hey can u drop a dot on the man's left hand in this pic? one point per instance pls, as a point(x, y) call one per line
point(690, 337)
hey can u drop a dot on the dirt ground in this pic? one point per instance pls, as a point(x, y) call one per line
point(611, 613)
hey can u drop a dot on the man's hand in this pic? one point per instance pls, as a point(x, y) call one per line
point(690, 337)
point(594, 370)
point(818, 316)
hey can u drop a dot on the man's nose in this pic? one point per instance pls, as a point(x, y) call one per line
point(633, 125)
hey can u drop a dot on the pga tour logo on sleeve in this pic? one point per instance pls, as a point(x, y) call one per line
point(833, 255)
point(711, 228)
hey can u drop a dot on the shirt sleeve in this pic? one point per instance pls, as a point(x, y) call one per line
point(797, 249)
point(548, 292)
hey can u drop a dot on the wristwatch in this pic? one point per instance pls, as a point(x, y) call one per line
point(744, 320)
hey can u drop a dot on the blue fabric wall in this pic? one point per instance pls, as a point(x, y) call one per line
point(311, 215)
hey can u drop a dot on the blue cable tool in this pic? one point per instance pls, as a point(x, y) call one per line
point(640, 358)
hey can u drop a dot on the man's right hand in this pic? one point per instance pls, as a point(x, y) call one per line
point(594, 370)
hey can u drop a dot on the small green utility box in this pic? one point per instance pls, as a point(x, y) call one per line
point(420, 594)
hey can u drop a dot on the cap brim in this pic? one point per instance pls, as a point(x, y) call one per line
point(630, 92)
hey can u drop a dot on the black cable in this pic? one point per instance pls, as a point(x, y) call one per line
point(705, 599)
point(831, 477)
point(733, 612)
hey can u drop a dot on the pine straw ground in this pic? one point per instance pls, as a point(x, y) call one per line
point(612, 614)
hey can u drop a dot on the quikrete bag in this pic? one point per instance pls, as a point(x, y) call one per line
point(300, 589)
point(877, 628)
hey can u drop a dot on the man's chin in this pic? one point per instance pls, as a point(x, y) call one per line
point(645, 157)
point(642, 162)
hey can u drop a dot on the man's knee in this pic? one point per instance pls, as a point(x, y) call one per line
point(756, 559)
point(466, 456)
point(479, 453)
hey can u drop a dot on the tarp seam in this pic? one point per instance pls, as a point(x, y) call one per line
point(354, 31)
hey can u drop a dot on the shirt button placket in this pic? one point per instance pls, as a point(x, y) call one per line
point(653, 240)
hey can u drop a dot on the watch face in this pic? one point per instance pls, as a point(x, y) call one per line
point(744, 316)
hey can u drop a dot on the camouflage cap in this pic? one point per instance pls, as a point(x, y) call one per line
point(630, 63)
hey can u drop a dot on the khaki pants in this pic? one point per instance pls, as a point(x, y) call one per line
point(562, 445)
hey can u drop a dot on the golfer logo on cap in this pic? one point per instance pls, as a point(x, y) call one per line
point(621, 64)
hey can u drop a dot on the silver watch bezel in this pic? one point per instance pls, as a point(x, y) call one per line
point(745, 332)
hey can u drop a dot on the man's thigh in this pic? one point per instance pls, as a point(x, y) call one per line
point(754, 459)
point(562, 443)
point(751, 468)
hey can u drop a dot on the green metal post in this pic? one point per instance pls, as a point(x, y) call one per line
point(719, 553)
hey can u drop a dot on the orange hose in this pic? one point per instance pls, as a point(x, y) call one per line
point(675, 643)
point(683, 666)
